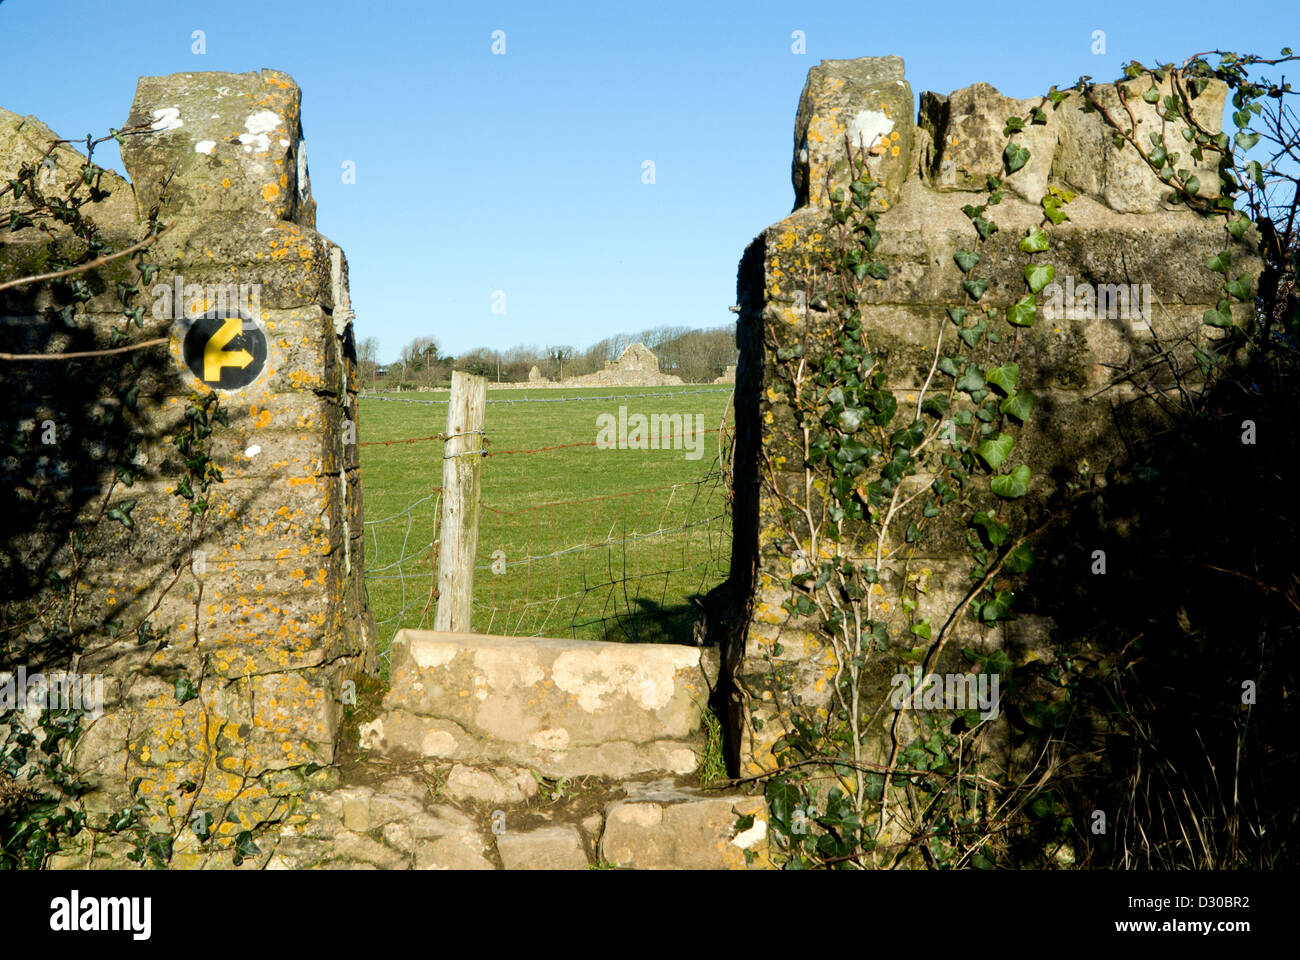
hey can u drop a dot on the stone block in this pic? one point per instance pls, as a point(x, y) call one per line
point(1088, 159)
point(664, 827)
point(563, 707)
point(966, 130)
point(869, 102)
point(234, 141)
point(457, 850)
point(550, 848)
point(26, 140)
point(500, 785)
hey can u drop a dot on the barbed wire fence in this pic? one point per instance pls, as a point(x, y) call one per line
point(409, 571)
point(627, 562)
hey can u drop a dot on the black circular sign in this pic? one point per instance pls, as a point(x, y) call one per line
point(226, 353)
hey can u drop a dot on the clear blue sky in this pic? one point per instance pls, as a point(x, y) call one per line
point(522, 172)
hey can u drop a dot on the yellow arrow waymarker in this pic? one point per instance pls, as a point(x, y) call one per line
point(215, 356)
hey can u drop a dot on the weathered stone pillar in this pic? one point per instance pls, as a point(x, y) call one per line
point(229, 624)
point(1121, 231)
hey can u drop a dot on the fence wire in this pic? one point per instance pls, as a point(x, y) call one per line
point(401, 566)
point(573, 540)
point(626, 566)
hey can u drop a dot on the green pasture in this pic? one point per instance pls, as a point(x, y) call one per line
point(603, 544)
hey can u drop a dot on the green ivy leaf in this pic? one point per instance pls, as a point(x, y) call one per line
point(1239, 288)
point(121, 820)
point(1238, 227)
point(1015, 156)
point(936, 405)
point(1021, 313)
point(1220, 317)
point(999, 608)
point(966, 260)
point(1004, 377)
point(245, 847)
point(884, 404)
point(185, 690)
point(957, 314)
point(122, 514)
point(1220, 262)
point(1246, 139)
point(971, 335)
point(994, 451)
point(782, 800)
point(994, 531)
point(985, 228)
point(1019, 405)
point(851, 450)
point(1035, 241)
point(1020, 559)
point(972, 380)
point(949, 366)
point(1039, 275)
point(910, 436)
point(976, 288)
point(921, 629)
point(1013, 485)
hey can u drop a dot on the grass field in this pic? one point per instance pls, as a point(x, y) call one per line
point(605, 544)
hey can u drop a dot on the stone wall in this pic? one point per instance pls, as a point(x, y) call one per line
point(636, 366)
point(1121, 230)
point(228, 640)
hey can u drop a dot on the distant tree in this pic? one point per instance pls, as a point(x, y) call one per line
point(558, 355)
point(697, 356)
point(694, 355)
point(368, 360)
point(421, 364)
point(599, 353)
point(481, 362)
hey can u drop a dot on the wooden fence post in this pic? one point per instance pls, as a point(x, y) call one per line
point(462, 463)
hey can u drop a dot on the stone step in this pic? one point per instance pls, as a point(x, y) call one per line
point(663, 826)
point(406, 822)
point(565, 708)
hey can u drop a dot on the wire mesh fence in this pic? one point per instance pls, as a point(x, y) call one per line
point(581, 533)
point(400, 582)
